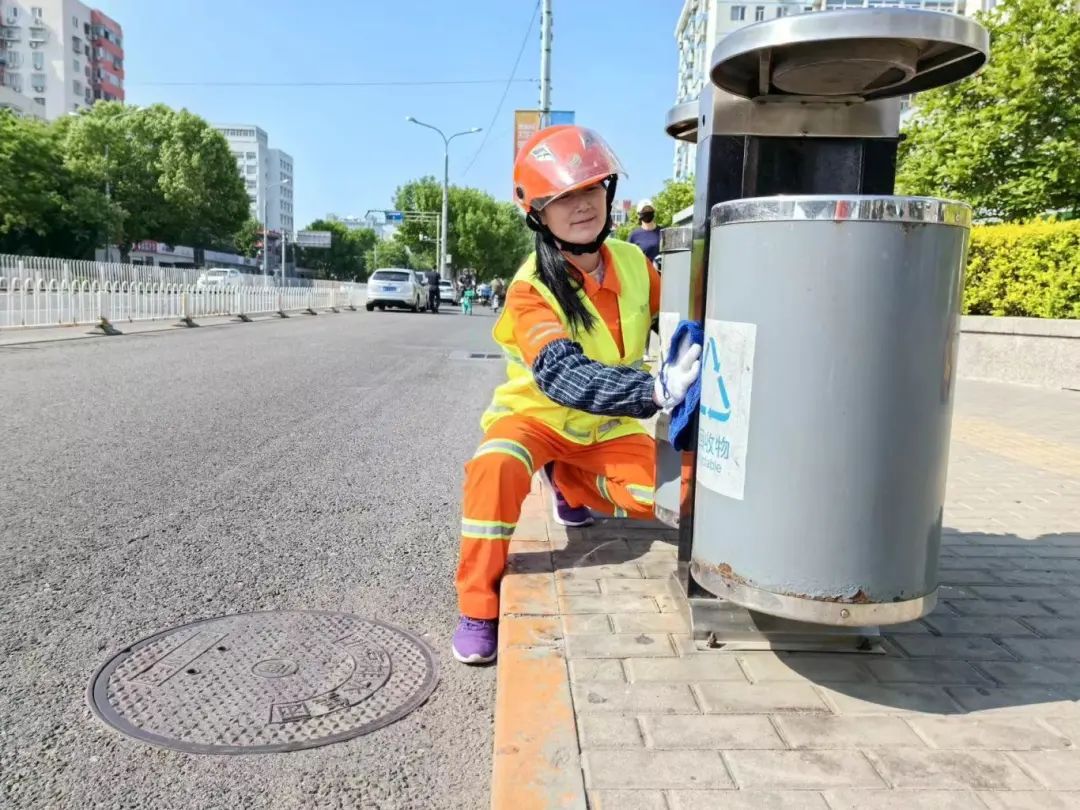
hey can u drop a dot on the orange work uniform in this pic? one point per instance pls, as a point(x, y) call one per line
point(614, 476)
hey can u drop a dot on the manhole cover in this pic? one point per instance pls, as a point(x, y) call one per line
point(262, 682)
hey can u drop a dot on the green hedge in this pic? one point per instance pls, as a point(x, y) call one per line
point(1030, 270)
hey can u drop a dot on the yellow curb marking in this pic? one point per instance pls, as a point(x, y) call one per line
point(1015, 445)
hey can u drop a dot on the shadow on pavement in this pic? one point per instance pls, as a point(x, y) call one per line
point(1004, 637)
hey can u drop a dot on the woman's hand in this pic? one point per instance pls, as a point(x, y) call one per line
point(676, 378)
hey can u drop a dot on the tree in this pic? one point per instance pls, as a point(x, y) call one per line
point(247, 238)
point(28, 192)
point(486, 236)
point(416, 237)
point(104, 146)
point(345, 259)
point(171, 175)
point(391, 252)
point(670, 200)
point(45, 208)
point(1008, 139)
point(197, 176)
point(364, 240)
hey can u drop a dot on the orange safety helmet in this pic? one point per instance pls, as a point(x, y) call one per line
point(558, 160)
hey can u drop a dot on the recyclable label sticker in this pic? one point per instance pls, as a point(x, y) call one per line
point(727, 374)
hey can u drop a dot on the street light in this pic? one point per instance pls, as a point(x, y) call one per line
point(444, 269)
point(266, 235)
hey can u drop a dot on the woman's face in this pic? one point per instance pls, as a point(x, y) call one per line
point(578, 216)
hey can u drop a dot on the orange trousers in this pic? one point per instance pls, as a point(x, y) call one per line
point(615, 477)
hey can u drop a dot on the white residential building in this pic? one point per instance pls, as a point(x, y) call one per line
point(350, 221)
point(267, 175)
point(21, 105)
point(703, 23)
point(281, 191)
point(61, 55)
point(375, 220)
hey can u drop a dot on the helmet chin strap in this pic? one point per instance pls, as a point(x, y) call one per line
point(532, 219)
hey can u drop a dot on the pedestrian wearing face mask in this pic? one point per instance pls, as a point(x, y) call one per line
point(646, 237)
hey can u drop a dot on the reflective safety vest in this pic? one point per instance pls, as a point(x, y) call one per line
point(520, 393)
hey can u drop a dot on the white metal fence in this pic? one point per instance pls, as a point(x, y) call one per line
point(36, 291)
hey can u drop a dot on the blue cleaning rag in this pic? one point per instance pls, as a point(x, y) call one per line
point(681, 430)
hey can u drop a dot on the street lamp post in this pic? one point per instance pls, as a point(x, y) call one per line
point(444, 269)
point(266, 236)
point(283, 242)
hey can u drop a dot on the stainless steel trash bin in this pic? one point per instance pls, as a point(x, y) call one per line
point(675, 244)
point(827, 380)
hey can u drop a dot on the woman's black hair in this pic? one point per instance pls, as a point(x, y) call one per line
point(564, 280)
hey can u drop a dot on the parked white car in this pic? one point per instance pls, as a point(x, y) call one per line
point(421, 279)
point(216, 277)
point(447, 292)
point(395, 287)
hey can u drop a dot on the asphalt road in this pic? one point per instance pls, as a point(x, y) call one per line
point(155, 479)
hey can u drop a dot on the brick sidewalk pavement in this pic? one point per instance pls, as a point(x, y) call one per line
point(974, 706)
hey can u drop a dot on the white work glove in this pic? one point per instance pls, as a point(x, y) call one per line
point(676, 378)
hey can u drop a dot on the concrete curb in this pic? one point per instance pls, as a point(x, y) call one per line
point(537, 763)
point(1027, 351)
point(22, 336)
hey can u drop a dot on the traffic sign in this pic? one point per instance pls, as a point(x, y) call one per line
point(528, 122)
point(313, 239)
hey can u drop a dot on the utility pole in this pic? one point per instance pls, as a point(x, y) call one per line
point(266, 239)
point(266, 236)
point(108, 209)
point(545, 64)
point(283, 239)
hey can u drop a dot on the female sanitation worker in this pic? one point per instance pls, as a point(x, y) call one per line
point(574, 330)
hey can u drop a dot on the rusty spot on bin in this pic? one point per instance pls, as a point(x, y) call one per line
point(725, 571)
point(860, 597)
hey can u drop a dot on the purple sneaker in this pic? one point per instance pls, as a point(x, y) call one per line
point(564, 513)
point(476, 641)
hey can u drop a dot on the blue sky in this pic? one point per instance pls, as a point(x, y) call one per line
point(613, 63)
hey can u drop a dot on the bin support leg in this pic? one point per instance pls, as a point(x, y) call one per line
point(722, 626)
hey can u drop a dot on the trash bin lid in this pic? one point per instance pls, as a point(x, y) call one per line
point(682, 122)
point(861, 54)
point(842, 208)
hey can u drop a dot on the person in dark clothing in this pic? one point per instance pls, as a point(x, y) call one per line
point(647, 237)
point(433, 290)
